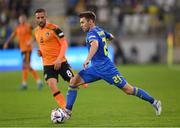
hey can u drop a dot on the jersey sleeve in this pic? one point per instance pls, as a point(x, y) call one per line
point(62, 41)
point(91, 37)
point(107, 34)
point(58, 32)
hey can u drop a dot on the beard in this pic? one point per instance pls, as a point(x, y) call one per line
point(42, 24)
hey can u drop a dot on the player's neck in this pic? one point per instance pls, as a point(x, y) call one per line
point(41, 27)
point(91, 27)
point(23, 23)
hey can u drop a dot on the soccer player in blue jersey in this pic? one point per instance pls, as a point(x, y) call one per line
point(101, 66)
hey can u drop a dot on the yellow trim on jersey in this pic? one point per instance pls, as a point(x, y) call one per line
point(100, 33)
point(136, 91)
point(69, 88)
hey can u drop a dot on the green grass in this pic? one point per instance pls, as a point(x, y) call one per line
point(99, 105)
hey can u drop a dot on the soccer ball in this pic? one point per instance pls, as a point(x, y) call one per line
point(57, 115)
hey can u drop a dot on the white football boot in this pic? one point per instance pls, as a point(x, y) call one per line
point(67, 114)
point(157, 106)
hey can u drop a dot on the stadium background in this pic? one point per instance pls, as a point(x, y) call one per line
point(141, 27)
point(147, 42)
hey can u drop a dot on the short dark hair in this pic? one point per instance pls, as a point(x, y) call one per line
point(40, 10)
point(88, 15)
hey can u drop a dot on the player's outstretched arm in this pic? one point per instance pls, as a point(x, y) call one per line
point(8, 40)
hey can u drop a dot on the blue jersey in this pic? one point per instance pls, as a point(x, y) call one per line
point(101, 65)
point(98, 34)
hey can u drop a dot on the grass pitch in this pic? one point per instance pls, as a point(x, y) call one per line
point(101, 105)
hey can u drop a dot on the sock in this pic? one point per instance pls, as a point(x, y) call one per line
point(58, 96)
point(24, 76)
point(143, 95)
point(34, 74)
point(24, 83)
point(85, 85)
point(71, 97)
point(39, 81)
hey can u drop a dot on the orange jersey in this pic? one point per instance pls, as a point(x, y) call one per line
point(24, 34)
point(51, 42)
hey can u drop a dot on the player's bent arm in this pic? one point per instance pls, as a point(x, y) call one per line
point(8, 40)
point(92, 51)
point(64, 46)
point(57, 63)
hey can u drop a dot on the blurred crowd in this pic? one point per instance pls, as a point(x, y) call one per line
point(9, 13)
point(130, 19)
point(121, 17)
point(126, 16)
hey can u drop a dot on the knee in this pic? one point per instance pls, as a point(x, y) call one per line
point(129, 90)
point(51, 82)
point(72, 85)
point(72, 81)
point(76, 81)
point(26, 65)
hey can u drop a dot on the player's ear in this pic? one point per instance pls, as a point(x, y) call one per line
point(91, 21)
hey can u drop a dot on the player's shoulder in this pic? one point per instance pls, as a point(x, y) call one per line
point(91, 35)
point(95, 30)
point(17, 26)
point(52, 26)
point(98, 28)
point(28, 24)
point(56, 29)
point(91, 32)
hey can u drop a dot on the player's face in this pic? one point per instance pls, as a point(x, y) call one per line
point(40, 19)
point(84, 24)
point(22, 19)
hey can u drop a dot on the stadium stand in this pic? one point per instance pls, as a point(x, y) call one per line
point(129, 20)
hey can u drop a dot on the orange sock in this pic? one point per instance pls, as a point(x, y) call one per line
point(34, 74)
point(58, 96)
point(24, 75)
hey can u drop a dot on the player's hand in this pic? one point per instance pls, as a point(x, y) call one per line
point(57, 64)
point(5, 46)
point(39, 53)
point(28, 43)
point(86, 63)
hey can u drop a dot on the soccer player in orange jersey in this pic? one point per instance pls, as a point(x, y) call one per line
point(52, 45)
point(24, 34)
